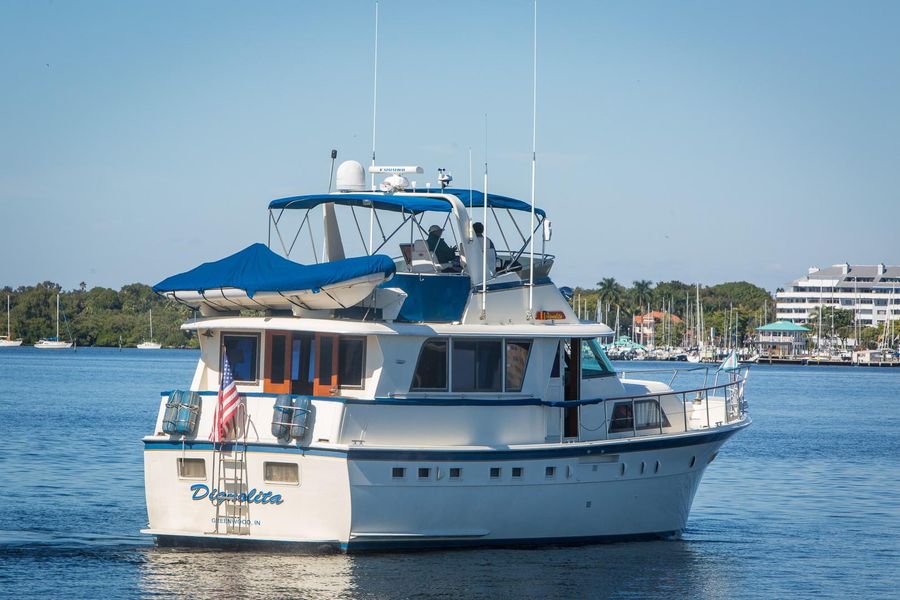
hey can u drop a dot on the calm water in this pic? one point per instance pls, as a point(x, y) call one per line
point(805, 503)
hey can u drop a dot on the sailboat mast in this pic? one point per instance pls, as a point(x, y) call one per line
point(151, 324)
point(57, 316)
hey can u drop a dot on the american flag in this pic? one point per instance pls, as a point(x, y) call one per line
point(227, 407)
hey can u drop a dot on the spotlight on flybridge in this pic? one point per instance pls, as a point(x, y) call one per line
point(444, 177)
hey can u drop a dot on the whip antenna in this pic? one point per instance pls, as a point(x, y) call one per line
point(530, 314)
point(375, 97)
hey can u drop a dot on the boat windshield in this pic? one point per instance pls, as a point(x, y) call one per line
point(594, 362)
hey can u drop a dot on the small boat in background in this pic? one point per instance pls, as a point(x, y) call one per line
point(150, 344)
point(7, 341)
point(54, 343)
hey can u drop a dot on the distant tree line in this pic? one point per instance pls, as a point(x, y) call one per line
point(737, 306)
point(96, 317)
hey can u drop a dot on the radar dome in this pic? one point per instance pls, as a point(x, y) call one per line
point(351, 177)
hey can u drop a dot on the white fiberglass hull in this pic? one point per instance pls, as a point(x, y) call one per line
point(149, 346)
point(53, 345)
point(350, 501)
point(10, 343)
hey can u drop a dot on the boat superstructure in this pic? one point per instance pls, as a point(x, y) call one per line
point(407, 397)
point(54, 343)
point(7, 340)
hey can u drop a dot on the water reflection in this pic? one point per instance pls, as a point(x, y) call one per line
point(657, 569)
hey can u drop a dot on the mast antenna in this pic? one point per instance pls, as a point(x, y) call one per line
point(530, 314)
point(375, 94)
point(483, 224)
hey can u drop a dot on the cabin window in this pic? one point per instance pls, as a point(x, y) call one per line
point(351, 361)
point(243, 353)
point(476, 365)
point(455, 472)
point(517, 472)
point(495, 472)
point(517, 352)
point(549, 472)
point(424, 473)
point(431, 369)
point(192, 468)
point(594, 362)
point(278, 472)
point(645, 415)
point(398, 472)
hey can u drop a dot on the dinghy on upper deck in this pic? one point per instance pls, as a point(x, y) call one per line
point(257, 278)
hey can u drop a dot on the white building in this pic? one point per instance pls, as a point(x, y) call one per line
point(872, 292)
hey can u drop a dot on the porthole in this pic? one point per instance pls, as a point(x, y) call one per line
point(398, 472)
point(455, 472)
point(550, 472)
point(424, 473)
point(495, 472)
point(517, 472)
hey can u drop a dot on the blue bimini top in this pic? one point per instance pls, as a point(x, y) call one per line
point(258, 269)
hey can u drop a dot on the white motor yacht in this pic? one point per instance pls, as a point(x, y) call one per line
point(391, 400)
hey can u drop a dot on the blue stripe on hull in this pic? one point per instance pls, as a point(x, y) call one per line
point(633, 445)
point(238, 543)
point(439, 544)
point(565, 451)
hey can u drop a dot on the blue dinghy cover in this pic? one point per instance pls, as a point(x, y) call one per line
point(258, 269)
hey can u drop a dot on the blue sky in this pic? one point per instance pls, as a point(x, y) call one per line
point(701, 141)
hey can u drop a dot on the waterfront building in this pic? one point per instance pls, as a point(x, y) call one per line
point(872, 292)
point(644, 325)
point(782, 339)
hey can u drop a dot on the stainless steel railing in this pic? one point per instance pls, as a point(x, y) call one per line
point(664, 413)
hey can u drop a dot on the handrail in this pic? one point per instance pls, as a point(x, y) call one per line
point(569, 403)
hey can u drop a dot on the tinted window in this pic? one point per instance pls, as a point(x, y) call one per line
point(242, 355)
point(477, 366)
point(276, 361)
point(646, 415)
point(351, 361)
point(326, 349)
point(516, 362)
point(431, 369)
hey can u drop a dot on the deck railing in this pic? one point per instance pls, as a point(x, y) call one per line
point(666, 412)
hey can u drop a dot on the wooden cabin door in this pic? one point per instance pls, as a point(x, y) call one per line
point(326, 381)
point(277, 379)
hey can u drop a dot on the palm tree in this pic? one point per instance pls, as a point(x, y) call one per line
point(642, 293)
point(609, 291)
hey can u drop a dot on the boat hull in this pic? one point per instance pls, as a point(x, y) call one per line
point(10, 343)
point(149, 346)
point(52, 345)
point(354, 501)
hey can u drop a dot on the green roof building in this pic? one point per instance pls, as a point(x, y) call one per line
point(782, 339)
